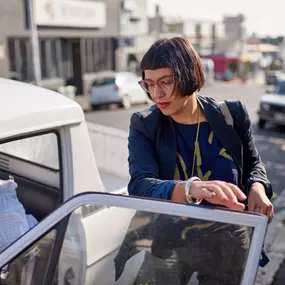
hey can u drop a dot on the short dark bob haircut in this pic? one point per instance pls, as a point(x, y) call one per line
point(178, 54)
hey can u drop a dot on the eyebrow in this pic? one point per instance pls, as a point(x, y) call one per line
point(159, 78)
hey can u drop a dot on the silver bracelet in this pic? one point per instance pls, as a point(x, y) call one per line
point(189, 198)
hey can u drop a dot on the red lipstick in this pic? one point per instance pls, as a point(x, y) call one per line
point(163, 105)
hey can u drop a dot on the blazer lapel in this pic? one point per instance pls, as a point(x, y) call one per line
point(224, 132)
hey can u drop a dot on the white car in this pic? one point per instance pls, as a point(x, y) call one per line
point(272, 106)
point(84, 236)
point(116, 87)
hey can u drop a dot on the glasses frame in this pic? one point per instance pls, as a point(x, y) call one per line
point(157, 82)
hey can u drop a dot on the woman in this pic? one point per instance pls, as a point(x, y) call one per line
point(182, 149)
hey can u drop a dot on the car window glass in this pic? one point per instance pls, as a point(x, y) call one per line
point(29, 184)
point(280, 89)
point(165, 244)
point(138, 247)
point(103, 81)
point(40, 149)
point(30, 267)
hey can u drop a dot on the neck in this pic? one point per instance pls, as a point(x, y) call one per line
point(189, 113)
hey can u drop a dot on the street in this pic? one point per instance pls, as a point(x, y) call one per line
point(270, 142)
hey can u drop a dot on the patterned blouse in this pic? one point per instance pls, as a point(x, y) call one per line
point(212, 160)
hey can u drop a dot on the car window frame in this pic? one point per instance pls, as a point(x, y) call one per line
point(57, 132)
point(258, 221)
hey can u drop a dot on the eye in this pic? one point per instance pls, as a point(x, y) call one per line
point(149, 84)
point(167, 81)
point(146, 86)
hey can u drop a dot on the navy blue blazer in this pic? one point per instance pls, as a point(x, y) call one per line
point(152, 148)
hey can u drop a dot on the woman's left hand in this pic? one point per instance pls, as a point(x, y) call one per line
point(258, 201)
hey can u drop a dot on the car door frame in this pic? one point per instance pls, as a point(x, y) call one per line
point(59, 217)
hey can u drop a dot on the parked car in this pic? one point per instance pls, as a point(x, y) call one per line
point(273, 77)
point(272, 106)
point(116, 87)
point(45, 146)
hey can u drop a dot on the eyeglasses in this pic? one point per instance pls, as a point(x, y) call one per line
point(165, 83)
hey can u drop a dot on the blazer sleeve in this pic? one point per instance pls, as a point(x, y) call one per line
point(143, 164)
point(253, 167)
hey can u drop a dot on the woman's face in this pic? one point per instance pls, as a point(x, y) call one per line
point(160, 83)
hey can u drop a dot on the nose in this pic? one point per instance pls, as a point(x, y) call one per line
point(156, 92)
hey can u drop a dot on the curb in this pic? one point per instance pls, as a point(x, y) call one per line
point(110, 147)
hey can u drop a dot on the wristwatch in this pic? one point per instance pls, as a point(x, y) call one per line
point(189, 198)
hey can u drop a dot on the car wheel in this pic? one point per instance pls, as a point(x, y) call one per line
point(94, 107)
point(126, 102)
point(261, 123)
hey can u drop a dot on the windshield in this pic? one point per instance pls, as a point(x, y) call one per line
point(280, 89)
point(103, 81)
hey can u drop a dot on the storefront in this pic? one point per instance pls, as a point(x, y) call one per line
point(224, 64)
point(76, 39)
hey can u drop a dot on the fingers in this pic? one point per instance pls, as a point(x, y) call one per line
point(270, 213)
point(238, 193)
point(265, 209)
point(251, 206)
point(220, 193)
point(228, 191)
point(218, 190)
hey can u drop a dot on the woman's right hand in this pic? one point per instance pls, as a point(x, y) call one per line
point(215, 192)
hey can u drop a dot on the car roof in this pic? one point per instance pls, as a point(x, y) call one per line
point(28, 108)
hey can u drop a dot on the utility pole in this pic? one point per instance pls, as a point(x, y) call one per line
point(157, 22)
point(35, 45)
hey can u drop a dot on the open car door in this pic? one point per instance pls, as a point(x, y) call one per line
point(106, 239)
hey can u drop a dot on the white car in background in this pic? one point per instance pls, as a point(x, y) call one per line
point(121, 88)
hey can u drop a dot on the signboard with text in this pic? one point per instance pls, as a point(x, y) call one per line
point(70, 13)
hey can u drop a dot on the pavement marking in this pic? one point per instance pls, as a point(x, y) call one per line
point(278, 141)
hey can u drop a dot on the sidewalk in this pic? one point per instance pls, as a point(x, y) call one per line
point(83, 101)
point(112, 182)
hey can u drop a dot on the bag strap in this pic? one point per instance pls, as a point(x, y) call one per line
point(226, 112)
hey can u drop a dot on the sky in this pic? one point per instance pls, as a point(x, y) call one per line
point(263, 17)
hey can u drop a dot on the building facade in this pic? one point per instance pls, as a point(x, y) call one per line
point(204, 35)
point(133, 35)
point(77, 38)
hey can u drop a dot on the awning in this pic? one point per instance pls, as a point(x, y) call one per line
point(251, 57)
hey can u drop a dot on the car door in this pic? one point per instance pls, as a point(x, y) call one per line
point(132, 240)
